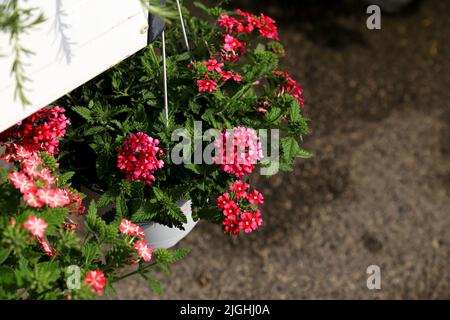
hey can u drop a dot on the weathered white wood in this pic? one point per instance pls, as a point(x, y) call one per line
point(79, 40)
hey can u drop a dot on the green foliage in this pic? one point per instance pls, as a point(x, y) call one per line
point(28, 272)
point(129, 98)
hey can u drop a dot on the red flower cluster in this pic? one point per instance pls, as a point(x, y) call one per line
point(290, 86)
point(238, 150)
point(132, 230)
point(240, 208)
point(138, 157)
point(96, 279)
point(214, 75)
point(40, 131)
point(247, 23)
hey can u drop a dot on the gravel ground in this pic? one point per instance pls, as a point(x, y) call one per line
point(378, 191)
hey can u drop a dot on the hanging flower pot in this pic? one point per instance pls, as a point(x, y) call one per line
point(137, 127)
point(157, 235)
point(161, 236)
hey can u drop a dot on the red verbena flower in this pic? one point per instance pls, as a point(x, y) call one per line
point(255, 197)
point(206, 85)
point(227, 75)
point(138, 157)
point(213, 65)
point(96, 279)
point(240, 209)
point(240, 188)
point(290, 86)
point(250, 222)
point(231, 208)
point(223, 200)
point(41, 131)
point(268, 28)
point(231, 225)
point(36, 226)
point(227, 22)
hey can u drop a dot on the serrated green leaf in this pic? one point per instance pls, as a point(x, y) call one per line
point(154, 284)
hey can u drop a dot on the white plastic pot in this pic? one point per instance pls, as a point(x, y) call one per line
point(157, 235)
point(161, 236)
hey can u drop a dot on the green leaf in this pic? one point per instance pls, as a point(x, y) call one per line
point(193, 167)
point(90, 252)
point(154, 284)
point(83, 112)
point(290, 148)
point(4, 254)
point(64, 178)
point(54, 217)
point(274, 115)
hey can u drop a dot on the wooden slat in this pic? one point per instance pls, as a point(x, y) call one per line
point(79, 40)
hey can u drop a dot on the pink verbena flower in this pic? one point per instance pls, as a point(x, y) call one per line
point(21, 181)
point(52, 197)
point(138, 157)
point(231, 44)
point(36, 226)
point(144, 251)
point(46, 247)
point(96, 279)
point(238, 150)
point(129, 228)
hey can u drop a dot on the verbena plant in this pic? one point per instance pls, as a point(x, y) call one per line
point(230, 79)
point(51, 247)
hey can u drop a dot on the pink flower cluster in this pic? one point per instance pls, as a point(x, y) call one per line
point(96, 279)
point(290, 86)
point(132, 230)
point(214, 75)
point(40, 131)
point(138, 157)
point(240, 208)
point(237, 151)
point(35, 182)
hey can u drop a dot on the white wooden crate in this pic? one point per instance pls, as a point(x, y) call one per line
point(79, 40)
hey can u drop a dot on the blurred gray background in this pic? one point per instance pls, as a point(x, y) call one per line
point(378, 190)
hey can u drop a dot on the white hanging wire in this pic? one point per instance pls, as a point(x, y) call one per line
point(163, 38)
point(186, 42)
point(166, 99)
